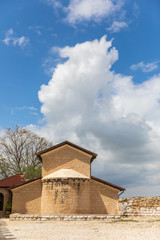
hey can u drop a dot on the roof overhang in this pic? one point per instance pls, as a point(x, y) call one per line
point(108, 183)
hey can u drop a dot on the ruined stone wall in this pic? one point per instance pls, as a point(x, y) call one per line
point(65, 196)
point(138, 206)
point(27, 198)
point(66, 157)
point(104, 199)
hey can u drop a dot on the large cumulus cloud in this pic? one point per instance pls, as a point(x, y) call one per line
point(91, 105)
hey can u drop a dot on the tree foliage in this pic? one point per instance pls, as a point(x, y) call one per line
point(18, 148)
point(32, 172)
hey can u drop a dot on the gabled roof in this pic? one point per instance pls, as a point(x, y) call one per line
point(65, 173)
point(107, 183)
point(94, 155)
point(12, 181)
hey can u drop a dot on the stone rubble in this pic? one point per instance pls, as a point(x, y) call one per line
point(140, 206)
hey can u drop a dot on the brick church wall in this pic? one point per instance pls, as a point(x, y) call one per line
point(104, 199)
point(65, 196)
point(27, 198)
point(66, 157)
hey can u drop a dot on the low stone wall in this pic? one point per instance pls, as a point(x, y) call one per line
point(140, 206)
point(34, 217)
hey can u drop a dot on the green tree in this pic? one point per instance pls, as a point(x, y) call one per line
point(18, 148)
point(31, 172)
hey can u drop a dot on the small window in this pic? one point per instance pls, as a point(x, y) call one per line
point(1, 201)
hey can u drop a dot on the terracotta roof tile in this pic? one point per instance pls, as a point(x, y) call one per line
point(25, 182)
point(12, 181)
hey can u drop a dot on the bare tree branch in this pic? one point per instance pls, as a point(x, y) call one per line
point(18, 148)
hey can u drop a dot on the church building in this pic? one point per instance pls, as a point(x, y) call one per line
point(66, 185)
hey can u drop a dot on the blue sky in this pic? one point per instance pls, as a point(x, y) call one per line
point(24, 69)
point(114, 113)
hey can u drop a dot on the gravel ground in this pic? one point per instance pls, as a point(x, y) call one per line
point(124, 229)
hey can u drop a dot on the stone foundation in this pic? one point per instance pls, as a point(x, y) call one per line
point(140, 206)
point(25, 217)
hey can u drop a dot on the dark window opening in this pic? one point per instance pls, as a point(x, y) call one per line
point(1, 201)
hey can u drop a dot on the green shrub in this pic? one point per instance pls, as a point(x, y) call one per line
point(9, 207)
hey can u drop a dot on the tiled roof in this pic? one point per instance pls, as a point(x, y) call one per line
point(12, 181)
point(25, 182)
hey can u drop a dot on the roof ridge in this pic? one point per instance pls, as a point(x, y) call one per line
point(94, 155)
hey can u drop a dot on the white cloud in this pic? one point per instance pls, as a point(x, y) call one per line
point(117, 26)
point(145, 67)
point(96, 10)
point(83, 11)
point(78, 11)
point(136, 9)
point(12, 39)
point(32, 109)
point(37, 29)
point(88, 104)
point(2, 131)
point(54, 3)
point(48, 65)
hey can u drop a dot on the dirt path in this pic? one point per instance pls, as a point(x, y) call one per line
point(125, 229)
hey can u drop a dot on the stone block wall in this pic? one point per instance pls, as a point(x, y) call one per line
point(66, 157)
point(65, 196)
point(104, 199)
point(139, 206)
point(27, 198)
